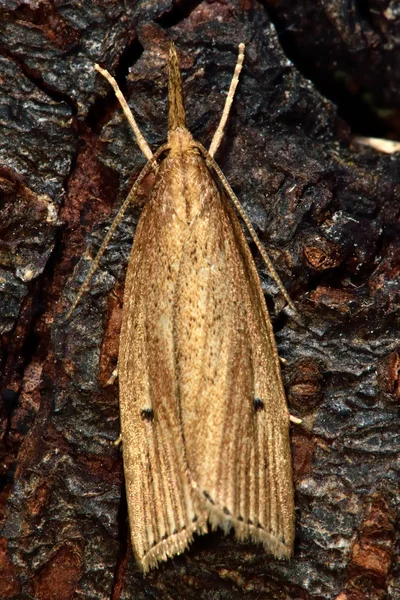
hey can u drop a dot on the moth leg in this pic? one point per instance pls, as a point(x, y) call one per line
point(143, 145)
point(118, 441)
point(130, 198)
point(231, 194)
point(295, 420)
point(228, 103)
point(113, 376)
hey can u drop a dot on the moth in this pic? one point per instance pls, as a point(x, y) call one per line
point(204, 421)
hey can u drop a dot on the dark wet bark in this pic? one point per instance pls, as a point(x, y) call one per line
point(327, 209)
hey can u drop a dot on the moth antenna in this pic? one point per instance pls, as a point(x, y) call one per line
point(143, 145)
point(211, 163)
point(176, 108)
point(118, 218)
point(228, 103)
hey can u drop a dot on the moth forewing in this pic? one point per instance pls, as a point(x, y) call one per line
point(204, 421)
point(233, 409)
point(162, 512)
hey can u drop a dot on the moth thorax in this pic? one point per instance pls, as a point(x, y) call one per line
point(180, 140)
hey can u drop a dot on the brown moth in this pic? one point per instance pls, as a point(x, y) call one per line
point(204, 421)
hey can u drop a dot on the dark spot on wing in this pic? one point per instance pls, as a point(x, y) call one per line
point(226, 510)
point(258, 404)
point(147, 414)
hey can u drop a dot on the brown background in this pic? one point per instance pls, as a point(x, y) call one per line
point(327, 209)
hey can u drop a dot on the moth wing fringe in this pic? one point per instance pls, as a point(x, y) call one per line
point(172, 546)
point(243, 531)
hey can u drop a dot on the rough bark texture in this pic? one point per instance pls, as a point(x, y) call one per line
point(327, 209)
